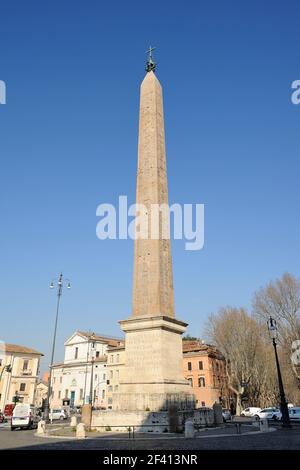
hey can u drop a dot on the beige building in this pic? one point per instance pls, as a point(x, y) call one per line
point(84, 369)
point(40, 394)
point(115, 367)
point(19, 368)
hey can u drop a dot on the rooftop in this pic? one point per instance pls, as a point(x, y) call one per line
point(110, 340)
point(195, 346)
point(17, 348)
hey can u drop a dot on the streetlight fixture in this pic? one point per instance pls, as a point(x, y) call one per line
point(273, 330)
point(60, 285)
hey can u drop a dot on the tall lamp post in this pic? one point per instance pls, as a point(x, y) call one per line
point(93, 350)
point(60, 285)
point(272, 327)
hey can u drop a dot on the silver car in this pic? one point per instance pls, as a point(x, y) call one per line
point(294, 413)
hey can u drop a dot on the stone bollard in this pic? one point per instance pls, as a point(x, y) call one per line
point(189, 430)
point(41, 429)
point(255, 422)
point(264, 425)
point(80, 431)
point(73, 421)
point(218, 416)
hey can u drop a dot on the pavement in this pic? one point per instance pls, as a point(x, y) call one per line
point(212, 439)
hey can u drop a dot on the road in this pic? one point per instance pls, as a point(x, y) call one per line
point(280, 439)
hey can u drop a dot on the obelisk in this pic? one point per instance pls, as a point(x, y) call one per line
point(152, 377)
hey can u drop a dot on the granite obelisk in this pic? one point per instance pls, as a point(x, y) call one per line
point(152, 378)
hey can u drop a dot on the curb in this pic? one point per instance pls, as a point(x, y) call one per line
point(157, 438)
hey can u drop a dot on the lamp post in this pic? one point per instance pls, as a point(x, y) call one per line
point(91, 400)
point(272, 327)
point(60, 285)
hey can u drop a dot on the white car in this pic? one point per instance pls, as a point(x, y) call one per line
point(60, 414)
point(24, 416)
point(269, 413)
point(294, 413)
point(251, 411)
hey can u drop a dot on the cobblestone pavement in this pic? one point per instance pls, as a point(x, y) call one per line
point(280, 439)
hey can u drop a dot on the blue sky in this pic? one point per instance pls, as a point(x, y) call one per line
point(69, 142)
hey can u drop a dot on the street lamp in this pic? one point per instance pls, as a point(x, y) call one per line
point(272, 327)
point(60, 285)
point(93, 351)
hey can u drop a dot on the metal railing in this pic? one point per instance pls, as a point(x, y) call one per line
point(132, 430)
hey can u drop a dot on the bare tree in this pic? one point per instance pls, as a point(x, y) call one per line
point(251, 368)
point(280, 299)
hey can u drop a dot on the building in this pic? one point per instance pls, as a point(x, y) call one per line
point(83, 371)
point(19, 368)
point(205, 368)
point(40, 394)
point(115, 368)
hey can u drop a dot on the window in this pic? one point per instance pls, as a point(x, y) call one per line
point(76, 353)
point(116, 388)
point(111, 374)
point(97, 353)
point(96, 376)
point(118, 357)
point(54, 378)
point(59, 394)
point(203, 403)
point(110, 389)
point(25, 364)
point(201, 382)
point(112, 358)
point(60, 380)
point(66, 393)
point(22, 387)
point(189, 366)
point(110, 401)
point(81, 393)
point(104, 376)
point(190, 381)
point(117, 374)
point(200, 365)
point(103, 394)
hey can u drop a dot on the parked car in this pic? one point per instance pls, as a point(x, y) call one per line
point(3, 418)
point(250, 411)
point(8, 410)
point(60, 414)
point(226, 415)
point(24, 416)
point(269, 413)
point(294, 413)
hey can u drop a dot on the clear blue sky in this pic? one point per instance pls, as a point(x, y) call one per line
point(69, 142)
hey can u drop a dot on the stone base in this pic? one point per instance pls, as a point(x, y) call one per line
point(154, 401)
point(152, 379)
point(160, 422)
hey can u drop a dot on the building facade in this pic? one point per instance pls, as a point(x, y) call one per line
point(115, 369)
point(82, 377)
point(205, 368)
point(40, 394)
point(19, 369)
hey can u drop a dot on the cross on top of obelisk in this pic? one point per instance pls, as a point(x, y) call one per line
point(150, 65)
